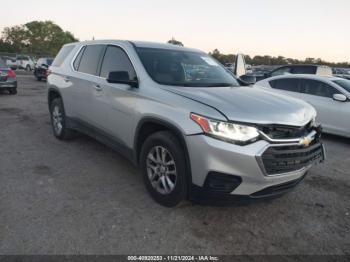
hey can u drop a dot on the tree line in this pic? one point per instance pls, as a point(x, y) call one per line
point(46, 38)
point(36, 38)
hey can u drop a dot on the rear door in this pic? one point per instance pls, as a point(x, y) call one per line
point(86, 86)
point(330, 113)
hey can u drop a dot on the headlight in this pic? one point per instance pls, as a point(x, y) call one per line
point(235, 133)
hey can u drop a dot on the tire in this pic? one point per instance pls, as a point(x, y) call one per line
point(58, 121)
point(13, 91)
point(38, 78)
point(28, 68)
point(161, 189)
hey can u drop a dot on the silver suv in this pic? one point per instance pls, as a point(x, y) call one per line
point(190, 125)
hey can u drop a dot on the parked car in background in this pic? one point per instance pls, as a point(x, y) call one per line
point(8, 80)
point(341, 72)
point(301, 69)
point(329, 95)
point(193, 134)
point(42, 67)
point(20, 62)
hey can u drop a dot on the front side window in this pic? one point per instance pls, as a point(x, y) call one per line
point(116, 59)
point(184, 68)
point(286, 84)
point(344, 84)
point(90, 59)
point(317, 88)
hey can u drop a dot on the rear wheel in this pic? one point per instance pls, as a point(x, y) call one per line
point(164, 168)
point(38, 78)
point(58, 121)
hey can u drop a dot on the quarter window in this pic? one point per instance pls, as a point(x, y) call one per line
point(78, 59)
point(116, 59)
point(317, 88)
point(291, 85)
point(90, 59)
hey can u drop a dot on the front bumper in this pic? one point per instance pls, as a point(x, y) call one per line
point(209, 156)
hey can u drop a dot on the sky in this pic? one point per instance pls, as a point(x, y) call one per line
point(296, 29)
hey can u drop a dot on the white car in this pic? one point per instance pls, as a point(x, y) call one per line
point(21, 62)
point(329, 95)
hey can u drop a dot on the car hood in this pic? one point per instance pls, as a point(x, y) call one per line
point(250, 105)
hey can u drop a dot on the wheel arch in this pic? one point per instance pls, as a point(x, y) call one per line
point(150, 125)
point(53, 93)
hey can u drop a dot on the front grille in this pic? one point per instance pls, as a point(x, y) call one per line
point(284, 159)
point(285, 132)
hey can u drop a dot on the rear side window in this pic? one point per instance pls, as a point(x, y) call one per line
point(291, 85)
point(78, 59)
point(304, 70)
point(62, 54)
point(116, 59)
point(317, 88)
point(90, 59)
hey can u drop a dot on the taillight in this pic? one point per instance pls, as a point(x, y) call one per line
point(11, 74)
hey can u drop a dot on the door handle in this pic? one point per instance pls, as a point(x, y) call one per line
point(98, 88)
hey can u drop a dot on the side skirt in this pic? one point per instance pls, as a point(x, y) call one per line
point(102, 137)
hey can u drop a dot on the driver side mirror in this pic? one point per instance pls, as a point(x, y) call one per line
point(340, 97)
point(248, 79)
point(122, 77)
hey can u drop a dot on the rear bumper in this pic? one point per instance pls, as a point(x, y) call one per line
point(8, 85)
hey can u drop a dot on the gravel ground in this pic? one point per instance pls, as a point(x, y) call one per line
point(80, 197)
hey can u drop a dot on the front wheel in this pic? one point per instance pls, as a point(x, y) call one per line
point(164, 168)
point(58, 121)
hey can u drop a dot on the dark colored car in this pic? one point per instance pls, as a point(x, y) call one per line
point(41, 68)
point(8, 80)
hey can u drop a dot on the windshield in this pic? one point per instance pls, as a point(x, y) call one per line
point(344, 84)
point(184, 68)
